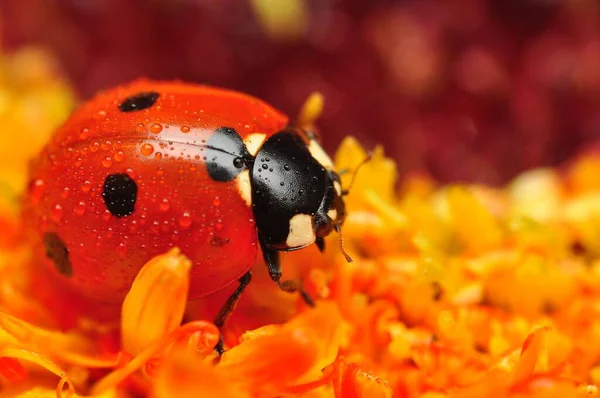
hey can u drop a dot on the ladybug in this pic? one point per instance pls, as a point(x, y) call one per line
point(151, 165)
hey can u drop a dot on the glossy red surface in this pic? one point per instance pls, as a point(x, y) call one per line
point(177, 202)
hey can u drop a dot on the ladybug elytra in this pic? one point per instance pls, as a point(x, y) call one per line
point(150, 165)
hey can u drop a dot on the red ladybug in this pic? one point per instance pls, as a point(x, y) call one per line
point(152, 165)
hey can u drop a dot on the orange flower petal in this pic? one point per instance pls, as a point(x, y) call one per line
point(530, 354)
point(155, 304)
point(185, 375)
point(269, 363)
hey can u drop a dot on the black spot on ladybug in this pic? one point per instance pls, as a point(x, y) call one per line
point(139, 101)
point(120, 194)
point(56, 250)
point(226, 155)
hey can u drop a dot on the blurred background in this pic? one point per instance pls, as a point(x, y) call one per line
point(473, 90)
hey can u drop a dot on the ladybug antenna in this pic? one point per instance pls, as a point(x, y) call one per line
point(338, 229)
point(367, 158)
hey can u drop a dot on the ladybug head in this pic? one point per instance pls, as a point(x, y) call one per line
point(297, 197)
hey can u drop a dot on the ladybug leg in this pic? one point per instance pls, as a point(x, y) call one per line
point(273, 262)
point(320, 244)
point(228, 307)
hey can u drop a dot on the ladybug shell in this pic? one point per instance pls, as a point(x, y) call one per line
point(140, 169)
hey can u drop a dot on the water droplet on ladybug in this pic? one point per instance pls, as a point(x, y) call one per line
point(56, 213)
point(37, 190)
point(86, 187)
point(122, 250)
point(107, 162)
point(80, 208)
point(140, 128)
point(94, 146)
point(286, 167)
point(156, 128)
point(147, 149)
point(165, 205)
point(282, 183)
point(84, 133)
point(65, 193)
point(185, 220)
point(119, 156)
point(216, 202)
point(265, 166)
point(158, 156)
point(106, 145)
point(238, 163)
point(185, 129)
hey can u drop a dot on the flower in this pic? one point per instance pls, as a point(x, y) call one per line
point(456, 290)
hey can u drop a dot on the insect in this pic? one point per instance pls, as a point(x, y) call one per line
point(151, 165)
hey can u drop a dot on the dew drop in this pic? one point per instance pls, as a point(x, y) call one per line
point(122, 250)
point(238, 163)
point(80, 208)
point(106, 145)
point(216, 201)
point(107, 162)
point(119, 156)
point(56, 213)
point(65, 193)
point(86, 187)
point(265, 166)
point(147, 149)
point(140, 128)
point(165, 205)
point(94, 146)
point(185, 129)
point(286, 167)
point(37, 190)
point(156, 128)
point(185, 220)
point(84, 133)
point(158, 156)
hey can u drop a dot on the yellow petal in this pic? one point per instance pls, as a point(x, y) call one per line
point(311, 110)
point(474, 224)
point(377, 176)
point(155, 304)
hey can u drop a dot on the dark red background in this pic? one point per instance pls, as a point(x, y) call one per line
point(468, 89)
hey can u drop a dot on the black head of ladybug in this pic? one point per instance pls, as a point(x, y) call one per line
point(297, 198)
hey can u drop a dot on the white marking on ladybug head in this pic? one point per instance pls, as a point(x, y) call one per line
point(332, 213)
point(253, 142)
point(319, 154)
point(244, 187)
point(302, 232)
point(338, 188)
